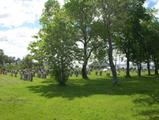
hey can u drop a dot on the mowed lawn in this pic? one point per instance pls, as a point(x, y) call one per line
point(95, 99)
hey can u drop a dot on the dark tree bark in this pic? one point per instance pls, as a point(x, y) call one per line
point(148, 68)
point(156, 71)
point(128, 65)
point(112, 66)
point(109, 39)
point(85, 61)
point(156, 66)
point(84, 71)
point(62, 78)
point(139, 69)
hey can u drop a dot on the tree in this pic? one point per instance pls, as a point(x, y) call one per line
point(56, 40)
point(6, 61)
point(1, 57)
point(83, 13)
point(131, 37)
point(36, 49)
point(148, 34)
point(27, 62)
point(111, 19)
point(151, 41)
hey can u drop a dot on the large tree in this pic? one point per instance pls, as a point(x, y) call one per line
point(111, 18)
point(131, 37)
point(56, 40)
point(83, 14)
point(27, 62)
point(152, 42)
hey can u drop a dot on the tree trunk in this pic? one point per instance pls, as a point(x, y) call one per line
point(84, 71)
point(139, 69)
point(62, 83)
point(148, 68)
point(112, 66)
point(108, 25)
point(156, 67)
point(85, 60)
point(62, 79)
point(128, 66)
point(156, 71)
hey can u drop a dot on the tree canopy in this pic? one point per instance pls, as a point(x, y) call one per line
point(82, 29)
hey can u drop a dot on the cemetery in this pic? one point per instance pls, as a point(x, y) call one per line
point(79, 60)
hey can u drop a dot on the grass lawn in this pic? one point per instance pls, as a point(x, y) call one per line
point(95, 99)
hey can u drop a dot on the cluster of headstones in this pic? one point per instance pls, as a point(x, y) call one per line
point(78, 72)
point(3, 71)
point(42, 73)
point(14, 73)
point(99, 72)
point(27, 74)
point(75, 72)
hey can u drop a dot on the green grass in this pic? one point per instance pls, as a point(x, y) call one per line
point(95, 99)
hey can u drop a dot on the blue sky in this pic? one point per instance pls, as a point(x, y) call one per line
point(151, 3)
point(19, 21)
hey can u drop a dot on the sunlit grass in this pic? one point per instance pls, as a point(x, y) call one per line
point(93, 99)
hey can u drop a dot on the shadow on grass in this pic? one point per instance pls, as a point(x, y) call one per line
point(80, 88)
point(144, 86)
point(151, 102)
point(151, 114)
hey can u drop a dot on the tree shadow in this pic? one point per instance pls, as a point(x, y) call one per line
point(147, 87)
point(70, 91)
point(150, 101)
point(151, 114)
point(81, 88)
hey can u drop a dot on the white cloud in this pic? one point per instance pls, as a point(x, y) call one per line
point(14, 14)
point(153, 4)
point(157, 7)
point(14, 42)
point(61, 2)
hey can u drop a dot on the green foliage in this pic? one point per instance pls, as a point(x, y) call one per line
point(131, 38)
point(7, 61)
point(84, 29)
point(55, 42)
point(151, 36)
point(27, 62)
point(1, 57)
point(82, 13)
point(36, 49)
